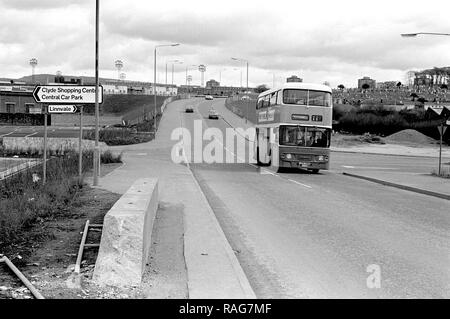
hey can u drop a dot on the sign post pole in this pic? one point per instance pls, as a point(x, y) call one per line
point(44, 166)
point(80, 148)
point(441, 132)
point(96, 149)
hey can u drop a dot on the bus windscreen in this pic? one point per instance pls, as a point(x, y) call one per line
point(304, 136)
point(307, 97)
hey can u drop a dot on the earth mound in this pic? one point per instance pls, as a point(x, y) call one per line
point(410, 136)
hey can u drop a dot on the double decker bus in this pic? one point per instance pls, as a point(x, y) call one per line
point(293, 127)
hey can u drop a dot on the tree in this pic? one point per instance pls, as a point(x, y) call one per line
point(365, 86)
point(414, 96)
point(444, 86)
point(341, 87)
point(261, 88)
point(399, 84)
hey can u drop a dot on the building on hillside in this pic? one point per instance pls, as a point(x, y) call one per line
point(294, 78)
point(212, 84)
point(118, 88)
point(18, 101)
point(388, 85)
point(366, 80)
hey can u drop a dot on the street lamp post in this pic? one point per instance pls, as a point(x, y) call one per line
point(33, 63)
point(220, 75)
point(177, 62)
point(119, 66)
point(187, 68)
point(97, 111)
point(248, 100)
point(170, 61)
point(237, 69)
point(154, 78)
point(441, 127)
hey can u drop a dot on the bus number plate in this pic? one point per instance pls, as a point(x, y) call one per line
point(316, 118)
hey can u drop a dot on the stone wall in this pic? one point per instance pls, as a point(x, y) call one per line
point(54, 145)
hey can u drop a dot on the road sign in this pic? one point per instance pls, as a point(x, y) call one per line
point(62, 108)
point(67, 94)
point(442, 129)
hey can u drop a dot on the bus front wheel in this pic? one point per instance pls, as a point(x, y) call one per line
point(314, 170)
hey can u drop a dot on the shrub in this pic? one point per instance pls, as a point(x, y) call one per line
point(123, 136)
point(23, 201)
point(108, 157)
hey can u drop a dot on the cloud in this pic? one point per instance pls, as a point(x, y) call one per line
point(27, 5)
point(327, 40)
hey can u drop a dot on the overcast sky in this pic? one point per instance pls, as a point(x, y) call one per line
point(334, 41)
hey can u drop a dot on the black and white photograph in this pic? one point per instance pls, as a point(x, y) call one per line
point(220, 158)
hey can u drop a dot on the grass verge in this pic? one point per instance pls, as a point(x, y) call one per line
point(25, 201)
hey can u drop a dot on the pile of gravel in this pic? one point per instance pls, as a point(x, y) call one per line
point(411, 136)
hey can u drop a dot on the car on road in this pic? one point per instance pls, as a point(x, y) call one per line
point(213, 114)
point(209, 97)
point(189, 109)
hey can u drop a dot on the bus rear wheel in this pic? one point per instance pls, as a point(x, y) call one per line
point(258, 162)
point(314, 170)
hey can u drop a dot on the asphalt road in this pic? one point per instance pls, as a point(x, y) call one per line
point(301, 235)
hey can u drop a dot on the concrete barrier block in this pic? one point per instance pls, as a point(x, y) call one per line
point(126, 236)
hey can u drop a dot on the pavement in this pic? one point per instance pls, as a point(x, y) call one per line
point(212, 268)
point(395, 149)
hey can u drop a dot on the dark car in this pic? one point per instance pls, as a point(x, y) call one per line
point(213, 114)
point(189, 109)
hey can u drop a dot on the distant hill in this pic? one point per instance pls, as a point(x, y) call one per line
point(50, 78)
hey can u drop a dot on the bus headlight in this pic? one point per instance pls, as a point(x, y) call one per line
point(288, 156)
point(321, 158)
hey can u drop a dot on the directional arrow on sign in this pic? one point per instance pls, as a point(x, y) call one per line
point(62, 109)
point(36, 94)
point(67, 94)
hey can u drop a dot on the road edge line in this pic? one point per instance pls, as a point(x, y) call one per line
point(382, 154)
point(239, 272)
point(400, 186)
point(246, 288)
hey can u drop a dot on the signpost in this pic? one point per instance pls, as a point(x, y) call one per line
point(44, 166)
point(66, 94)
point(442, 130)
point(62, 109)
point(64, 99)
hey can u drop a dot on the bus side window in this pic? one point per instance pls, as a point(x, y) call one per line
point(267, 101)
point(273, 99)
point(279, 97)
point(260, 103)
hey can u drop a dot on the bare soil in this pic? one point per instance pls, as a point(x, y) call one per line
point(47, 255)
point(49, 250)
point(411, 136)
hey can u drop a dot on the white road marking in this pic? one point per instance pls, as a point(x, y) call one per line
point(31, 134)
point(298, 183)
point(266, 172)
point(17, 129)
point(368, 167)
